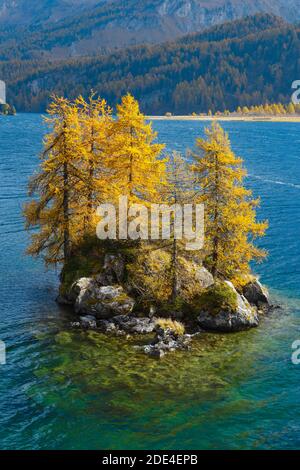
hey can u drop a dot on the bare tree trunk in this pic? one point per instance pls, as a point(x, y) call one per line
point(215, 254)
point(215, 257)
point(88, 217)
point(67, 247)
point(130, 178)
point(175, 284)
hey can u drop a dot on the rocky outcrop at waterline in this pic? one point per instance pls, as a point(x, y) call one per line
point(109, 302)
point(257, 295)
point(101, 301)
point(243, 317)
point(119, 325)
point(7, 110)
point(128, 324)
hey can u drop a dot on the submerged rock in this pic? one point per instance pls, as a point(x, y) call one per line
point(257, 295)
point(243, 318)
point(166, 341)
point(101, 301)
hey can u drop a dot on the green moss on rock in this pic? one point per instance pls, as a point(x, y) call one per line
point(218, 298)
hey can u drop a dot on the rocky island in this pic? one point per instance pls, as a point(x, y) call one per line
point(7, 110)
point(110, 302)
point(142, 286)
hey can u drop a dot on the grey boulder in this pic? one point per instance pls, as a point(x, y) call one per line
point(204, 277)
point(128, 324)
point(245, 317)
point(101, 301)
point(134, 324)
point(257, 294)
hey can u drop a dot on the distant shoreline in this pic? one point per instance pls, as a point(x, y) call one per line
point(227, 118)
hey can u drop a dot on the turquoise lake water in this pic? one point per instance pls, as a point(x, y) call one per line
point(64, 389)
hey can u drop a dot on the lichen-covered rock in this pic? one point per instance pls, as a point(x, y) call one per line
point(128, 324)
point(192, 279)
point(243, 318)
point(135, 325)
point(69, 297)
point(257, 294)
point(204, 277)
point(101, 301)
point(166, 340)
point(80, 287)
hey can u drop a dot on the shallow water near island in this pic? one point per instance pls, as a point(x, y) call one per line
point(66, 389)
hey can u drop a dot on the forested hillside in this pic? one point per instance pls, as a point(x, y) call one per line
point(61, 29)
point(251, 61)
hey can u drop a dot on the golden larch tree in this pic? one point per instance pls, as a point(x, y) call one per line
point(97, 128)
point(136, 163)
point(179, 190)
point(54, 211)
point(230, 210)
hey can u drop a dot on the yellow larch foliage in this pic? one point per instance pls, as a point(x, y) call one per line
point(230, 210)
point(97, 129)
point(55, 210)
point(137, 166)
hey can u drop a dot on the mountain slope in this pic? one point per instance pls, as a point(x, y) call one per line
point(28, 12)
point(241, 63)
point(58, 29)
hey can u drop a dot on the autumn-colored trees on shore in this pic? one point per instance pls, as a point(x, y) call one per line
point(268, 109)
point(91, 158)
